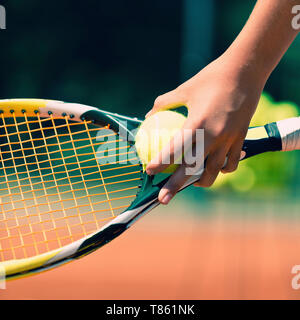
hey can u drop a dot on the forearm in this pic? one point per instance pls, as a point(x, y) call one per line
point(265, 38)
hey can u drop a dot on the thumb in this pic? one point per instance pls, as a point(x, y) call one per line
point(169, 100)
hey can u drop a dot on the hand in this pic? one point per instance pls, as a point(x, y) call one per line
point(221, 99)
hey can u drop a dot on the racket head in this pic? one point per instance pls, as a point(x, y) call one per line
point(47, 146)
point(70, 182)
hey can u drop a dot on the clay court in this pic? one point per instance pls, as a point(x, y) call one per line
point(187, 257)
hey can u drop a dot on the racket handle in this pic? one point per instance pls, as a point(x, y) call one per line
point(260, 140)
point(283, 135)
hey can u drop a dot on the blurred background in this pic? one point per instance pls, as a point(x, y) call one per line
point(236, 240)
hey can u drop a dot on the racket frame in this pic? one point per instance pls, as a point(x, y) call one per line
point(146, 200)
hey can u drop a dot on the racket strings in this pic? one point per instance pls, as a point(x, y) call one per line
point(59, 181)
point(74, 176)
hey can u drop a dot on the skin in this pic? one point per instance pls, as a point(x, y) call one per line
point(223, 96)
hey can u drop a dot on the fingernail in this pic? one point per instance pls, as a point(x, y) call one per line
point(167, 198)
point(149, 172)
point(243, 154)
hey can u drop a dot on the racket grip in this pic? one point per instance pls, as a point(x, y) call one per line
point(260, 140)
point(290, 133)
point(283, 135)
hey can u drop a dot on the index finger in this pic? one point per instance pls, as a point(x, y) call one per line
point(179, 147)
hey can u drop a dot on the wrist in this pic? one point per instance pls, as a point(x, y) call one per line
point(247, 66)
point(265, 38)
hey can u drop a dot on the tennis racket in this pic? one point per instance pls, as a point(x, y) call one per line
point(71, 180)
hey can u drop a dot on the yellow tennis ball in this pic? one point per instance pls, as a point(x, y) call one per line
point(155, 133)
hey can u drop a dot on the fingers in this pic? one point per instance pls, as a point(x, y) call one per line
point(214, 164)
point(233, 157)
point(173, 151)
point(169, 100)
point(175, 182)
point(222, 161)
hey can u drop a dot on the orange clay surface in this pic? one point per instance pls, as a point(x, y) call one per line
point(166, 256)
